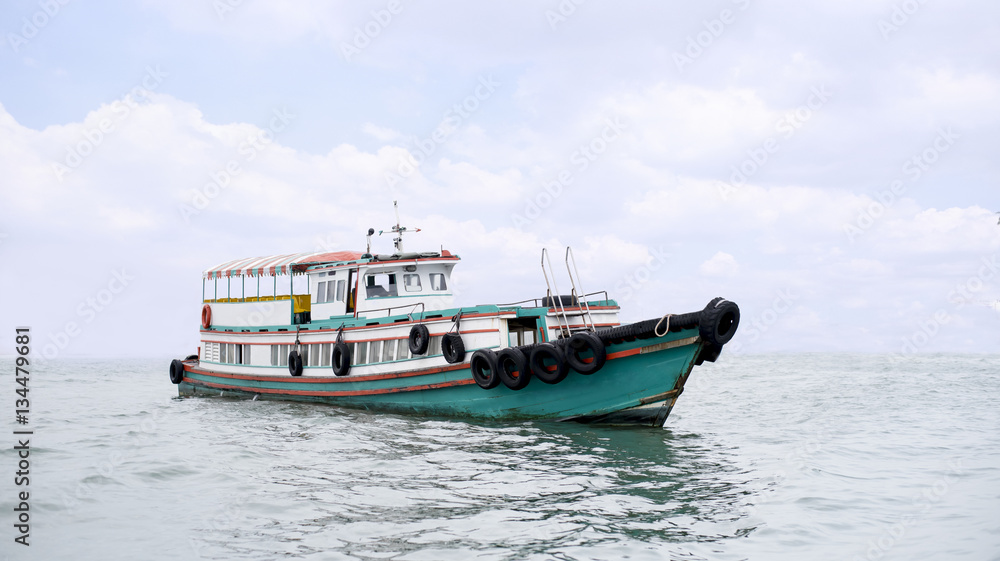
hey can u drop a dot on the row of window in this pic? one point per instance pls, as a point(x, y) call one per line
point(228, 353)
point(380, 285)
point(331, 291)
point(318, 354)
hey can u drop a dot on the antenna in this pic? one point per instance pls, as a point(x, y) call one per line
point(398, 230)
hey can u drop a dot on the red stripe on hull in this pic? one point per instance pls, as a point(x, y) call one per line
point(379, 391)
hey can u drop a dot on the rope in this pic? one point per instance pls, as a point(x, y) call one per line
point(656, 330)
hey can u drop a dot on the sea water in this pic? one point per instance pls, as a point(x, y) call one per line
point(796, 457)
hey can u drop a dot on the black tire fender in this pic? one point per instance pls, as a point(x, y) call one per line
point(176, 371)
point(581, 343)
point(566, 300)
point(719, 321)
point(483, 365)
point(512, 366)
point(453, 348)
point(550, 374)
point(420, 337)
point(295, 363)
point(341, 359)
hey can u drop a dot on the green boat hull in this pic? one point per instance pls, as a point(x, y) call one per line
point(638, 385)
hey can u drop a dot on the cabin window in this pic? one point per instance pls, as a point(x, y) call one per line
point(341, 285)
point(373, 349)
point(326, 354)
point(304, 354)
point(389, 350)
point(279, 355)
point(224, 354)
point(331, 291)
point(412, 283)
point(321, 292)
point(437, 282)
point(245, 354)
point(403, 349)
point(434, 346)
point(362, 355)
point(380, 285)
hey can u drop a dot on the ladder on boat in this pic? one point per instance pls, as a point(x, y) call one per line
point(576, 295)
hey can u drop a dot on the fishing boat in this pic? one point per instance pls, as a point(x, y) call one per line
point(381, 332)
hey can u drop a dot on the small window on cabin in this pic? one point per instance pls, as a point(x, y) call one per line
point(380, 285)
point(389, 350)
point(373, 349)
point(412, 283)
point(326, 354)
point(341, 285)
point(224, 354)
point(304, 354)
point(362, 353)
point(437, 282)
point(331, 291)
point(403, 349)
point(274, 355)
point(321, 293)
point(246, 355)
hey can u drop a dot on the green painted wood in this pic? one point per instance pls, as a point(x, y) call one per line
point(621, 384)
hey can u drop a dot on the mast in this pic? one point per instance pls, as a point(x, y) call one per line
point(398, 230)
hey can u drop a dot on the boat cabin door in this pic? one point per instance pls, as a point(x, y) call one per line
point(352, 290)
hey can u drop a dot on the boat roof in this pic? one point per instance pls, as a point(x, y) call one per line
point(278, 264)
point(299, 262)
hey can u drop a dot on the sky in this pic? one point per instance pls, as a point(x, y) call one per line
point(831, 167)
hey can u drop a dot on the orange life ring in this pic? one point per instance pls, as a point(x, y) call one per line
point(206, 316)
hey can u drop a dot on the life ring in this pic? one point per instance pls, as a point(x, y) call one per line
point(719, 321)
point(541, 356)
point(453, 348)
point(581, 343)
point(484, 369)
point(513, 369)
point(206, 316)
point(419, 339)
point(341, 359)
point(176, 371)
point(295, 363)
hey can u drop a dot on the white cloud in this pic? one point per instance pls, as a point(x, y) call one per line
point(720, 265)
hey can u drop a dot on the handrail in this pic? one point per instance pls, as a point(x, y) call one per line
point(580, 303)
point(389, 309)
point(557, 298)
